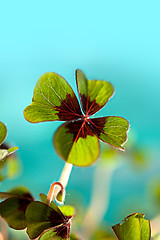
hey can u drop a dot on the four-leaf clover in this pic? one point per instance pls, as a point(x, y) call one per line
point(77, 140)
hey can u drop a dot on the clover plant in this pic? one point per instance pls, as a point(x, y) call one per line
point(77, 142)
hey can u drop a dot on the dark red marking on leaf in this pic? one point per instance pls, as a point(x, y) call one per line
point(27, 196)
point(63, 231)
point(97, 124)
point(69, 109)
point(80, 128)
point(23, 204)
point(89, 107)
point(55, 218)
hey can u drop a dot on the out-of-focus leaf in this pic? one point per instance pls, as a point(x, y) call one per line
point(13, 208)
point(103, 234)
point(5, 153)
point(18, 192)
point(74, 237)
point(10, 166)
point(41, 217)
point(2, 177)
point(157, 237)
point(3, 132)
point(133, 227)
point(13, 166)
point(76, 143)
point(53, 99)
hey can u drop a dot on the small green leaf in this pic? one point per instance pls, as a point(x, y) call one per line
point(53, 99)
point(133, 227)
point(74, 147)
point(67, 210)
point(5, 153)
point(60, 197)
point(13, 149)
point(52, 204)
point(3, 132)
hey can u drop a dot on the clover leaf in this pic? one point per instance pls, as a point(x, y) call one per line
point(133, 227)
point(77, 140)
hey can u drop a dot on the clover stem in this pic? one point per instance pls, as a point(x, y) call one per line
point(52, 191)
point(61, 184)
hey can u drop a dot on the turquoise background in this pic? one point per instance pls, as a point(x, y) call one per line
point(118, 41)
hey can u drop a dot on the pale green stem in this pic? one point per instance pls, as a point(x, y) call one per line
point(63, 182)
point(51, 191)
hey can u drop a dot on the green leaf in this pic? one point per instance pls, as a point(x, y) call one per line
point(52, 204)
point(156, 237)
point(67, 210)
point(133, 227)
point(82, 86)
point(60, 197)
point(14, 207)
point(112, 130)
point(13, 167)
point(13, 149)
point(5, 153)
point(58, 233)
point(74, 147)
point(93, 94)
point(41, 217)
point(73, 237)
point(3, 132)
point(18, 192)
point(50, 235)
point(2, 177)
point(53, 99)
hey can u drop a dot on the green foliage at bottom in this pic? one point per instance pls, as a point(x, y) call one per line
point(133, 227)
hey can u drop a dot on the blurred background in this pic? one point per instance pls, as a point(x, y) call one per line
point(117, 41)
